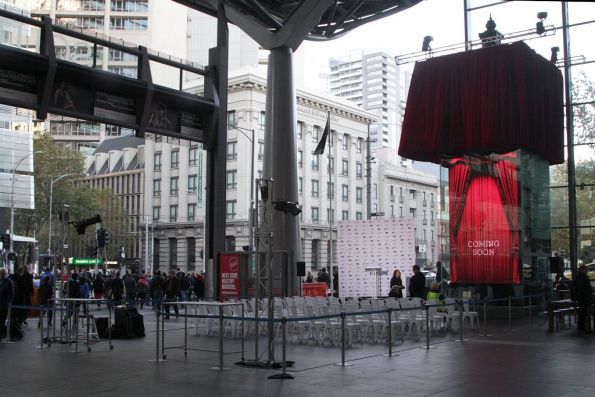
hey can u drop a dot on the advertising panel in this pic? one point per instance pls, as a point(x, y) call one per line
point(484, 219)
point(229, 276)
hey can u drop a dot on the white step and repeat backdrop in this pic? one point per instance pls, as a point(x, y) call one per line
point(385, 243)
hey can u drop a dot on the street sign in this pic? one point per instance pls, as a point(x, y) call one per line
point(86, 261)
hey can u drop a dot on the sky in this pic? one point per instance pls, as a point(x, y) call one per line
point(403, 32)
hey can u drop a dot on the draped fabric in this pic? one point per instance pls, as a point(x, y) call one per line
point(458, 183)
point(484, 219)
point(509, 188)
point(493, 100)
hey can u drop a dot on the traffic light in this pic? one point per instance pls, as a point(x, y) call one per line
point(106, 233)
point(5, 240)
point(101, 238)
point(82, 224)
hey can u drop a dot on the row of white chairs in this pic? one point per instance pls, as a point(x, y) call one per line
point(316, 320)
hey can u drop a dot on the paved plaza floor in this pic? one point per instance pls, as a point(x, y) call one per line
point(524, 361)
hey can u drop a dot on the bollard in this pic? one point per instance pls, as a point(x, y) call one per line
point(509, 314)
point(243, 333)
point(163, 356)
point(157, 360)
point(185, 331)
point(390, 334)
point(530, 311)
point(461, 321)
point(220, 367)
point(88, 325)
point(109, 323)
point(283, 374)
point(41, 317)
point(343, 363)
point(427, 326)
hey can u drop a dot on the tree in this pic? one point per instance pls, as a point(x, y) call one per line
point(84, 202)
point(583, 92)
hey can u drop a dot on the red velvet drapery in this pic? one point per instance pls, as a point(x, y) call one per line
point(484, 208)
point(494, 100)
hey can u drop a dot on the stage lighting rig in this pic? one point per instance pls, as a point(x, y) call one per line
point(554, 57)
point(426, 44)
point(491, 37)
point(539, 27)
point(287, 207)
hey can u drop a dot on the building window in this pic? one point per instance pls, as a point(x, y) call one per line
point(191, 212)
point(156, 214)
point(314, 162)
point(331, 165)
point(358, 145)
point(345, 215)
point(175, 159)
point(412, 194)
point(232, 153)
point(260, 150)
point(261, 120)
point(173, 213)
point(192, 155)
point(359, 194)
point(358, 170)
point(412, 212)
point(125, 5)
point(358, 216)
point(231, 119)
point(400, 212)
point(128, 23)
point(315, 215)
point(315, 131)
point(345, 193)
point(344, 167)
point(300, 159)
point(232, 179)
point(314, 188)
point(156, 187)
point(315, 253)
point(300, 130)
point(330, 215)
point(345, 142)
point(157, 162)
point(230, 209)
point(173, 253)
point(192, 183)
point(191, 251)
point(300, 185)
point(173, 186)
point(330, 190)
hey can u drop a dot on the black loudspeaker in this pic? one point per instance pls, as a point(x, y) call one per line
point(301, 269)
point(556, 264)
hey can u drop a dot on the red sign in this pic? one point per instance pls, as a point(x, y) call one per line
point(229, 276)
point(315, 289)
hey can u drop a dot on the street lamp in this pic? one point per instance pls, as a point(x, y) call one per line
point(250, 217)
point(51, 199)
point(14, 169)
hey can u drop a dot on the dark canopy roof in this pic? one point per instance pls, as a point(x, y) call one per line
point(341, 17)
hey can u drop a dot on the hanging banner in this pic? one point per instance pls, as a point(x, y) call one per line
point(229, 276)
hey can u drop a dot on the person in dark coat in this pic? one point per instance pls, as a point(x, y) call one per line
point(117, 289)
point(172, 290)
point(74, 292)
point(98, 288)
point(156, 289)
point(417, 284)
point(323, 277)
point(46, 293)
point(396, 285)
point(199, 287)
point(130, 285)
point(18, 282)
point(583, 293)
point(6, 296)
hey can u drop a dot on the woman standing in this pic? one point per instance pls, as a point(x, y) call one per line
point(396, 285)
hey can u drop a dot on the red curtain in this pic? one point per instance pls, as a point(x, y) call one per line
point(494, 100)
point(484, 220)
point(509, 186)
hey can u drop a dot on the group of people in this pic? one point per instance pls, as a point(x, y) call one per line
point(324, 277)
point(132, 289)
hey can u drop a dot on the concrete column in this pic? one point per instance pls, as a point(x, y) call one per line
point(280, 160)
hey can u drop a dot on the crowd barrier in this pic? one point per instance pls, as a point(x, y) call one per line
point(345, 319)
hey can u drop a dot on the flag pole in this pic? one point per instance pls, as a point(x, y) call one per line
point(331, 192)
